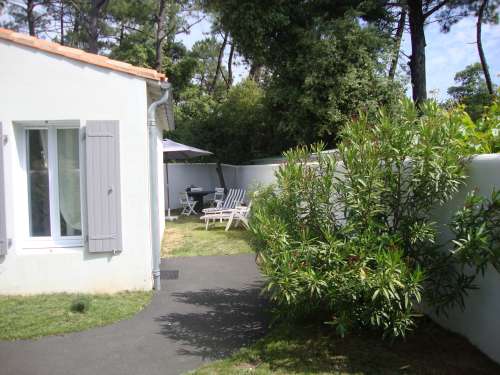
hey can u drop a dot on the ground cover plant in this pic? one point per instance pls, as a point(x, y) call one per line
point(351, 238)
point(187, 237)
point(26, 317)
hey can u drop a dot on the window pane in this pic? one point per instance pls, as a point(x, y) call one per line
point(38, 182)
point(68, 162)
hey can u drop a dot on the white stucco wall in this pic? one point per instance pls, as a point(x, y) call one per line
point(205, 175)
point(480, 321)
point(181, 175)
point(34, 86)
point(249, 176)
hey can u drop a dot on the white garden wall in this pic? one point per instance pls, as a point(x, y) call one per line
point(205, 175)
point(480, 322)
point(181, 175)
point(35, 86)
point(248, 176)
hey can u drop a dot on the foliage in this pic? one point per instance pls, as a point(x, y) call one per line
point(312, 349)
point(25, 317)
point(471, 90)
point(233, 128)
point(80, 304)
point(475, 245)
point(459, 9)
point(357, 244)
point(206, 53)
point(181, 66)
point(477, 231)
point(323, 63)
point(483, 135)
point(336, 73)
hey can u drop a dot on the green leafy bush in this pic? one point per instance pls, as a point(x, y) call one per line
point(350, 237)
point(477, 230)
point(80, 304)
point(483, 135)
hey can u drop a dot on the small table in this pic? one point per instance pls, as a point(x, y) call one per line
point(198, 197)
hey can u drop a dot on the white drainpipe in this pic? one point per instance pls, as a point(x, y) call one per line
point(153, 182)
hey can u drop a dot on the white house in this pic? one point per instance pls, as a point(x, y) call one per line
point(78, 211)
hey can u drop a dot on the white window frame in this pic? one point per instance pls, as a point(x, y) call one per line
point(55, 240)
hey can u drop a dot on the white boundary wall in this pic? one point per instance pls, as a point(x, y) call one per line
point(479, 322)
point(249, 176)
point(181, 175)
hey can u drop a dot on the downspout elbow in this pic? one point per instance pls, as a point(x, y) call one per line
point(166, 88)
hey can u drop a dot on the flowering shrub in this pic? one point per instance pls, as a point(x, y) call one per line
point(349, 238)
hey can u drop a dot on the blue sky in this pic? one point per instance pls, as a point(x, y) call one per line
point(449, 53)
point(446, 53)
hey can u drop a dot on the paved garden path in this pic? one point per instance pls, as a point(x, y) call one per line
point(209, 307)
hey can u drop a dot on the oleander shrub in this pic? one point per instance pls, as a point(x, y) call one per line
point(349, 237)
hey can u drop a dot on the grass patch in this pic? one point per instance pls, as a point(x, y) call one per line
point(26, 317)
point(317, 350)
point(187, 237)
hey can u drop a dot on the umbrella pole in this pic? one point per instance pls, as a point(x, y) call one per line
point(168, 217)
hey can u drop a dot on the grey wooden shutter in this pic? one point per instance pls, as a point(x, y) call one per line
point(3, 219)
point(102, 161)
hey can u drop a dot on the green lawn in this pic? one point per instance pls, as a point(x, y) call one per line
point(311, 350)
point(50, 314)
point(187, 237)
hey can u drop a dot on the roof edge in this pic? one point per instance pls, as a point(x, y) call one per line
point(79, 55)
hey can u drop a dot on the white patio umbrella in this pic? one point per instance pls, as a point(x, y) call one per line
point(178, 151)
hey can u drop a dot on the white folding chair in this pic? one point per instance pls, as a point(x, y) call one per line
point(187, 204)
point(233, 198)
point(218, 197)
point(240, 214)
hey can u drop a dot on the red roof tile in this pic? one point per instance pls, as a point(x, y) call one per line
point(80, 55)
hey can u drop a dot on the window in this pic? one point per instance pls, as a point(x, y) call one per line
point(53, 173)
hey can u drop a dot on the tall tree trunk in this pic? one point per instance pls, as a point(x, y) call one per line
point(76, 30)
point(417, 58)
point(255, 72)
point(230, 67)
point(480, 50)
point(94, 15)
point(61, 21)
point(219, 62)
point(160, 33)
point(30, 16)
point(220, 174)
point(122, 33)
point(397, 43)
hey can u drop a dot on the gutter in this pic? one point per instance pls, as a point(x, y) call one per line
point(153, 182)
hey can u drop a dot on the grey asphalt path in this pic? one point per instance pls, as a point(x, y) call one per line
point(208, 308)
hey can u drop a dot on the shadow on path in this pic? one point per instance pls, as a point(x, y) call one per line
point(225, 319)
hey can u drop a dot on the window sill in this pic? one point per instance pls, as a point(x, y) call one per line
point(34, 244)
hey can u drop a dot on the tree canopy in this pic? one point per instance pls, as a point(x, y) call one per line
point(313, 65)
point(471, 90)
